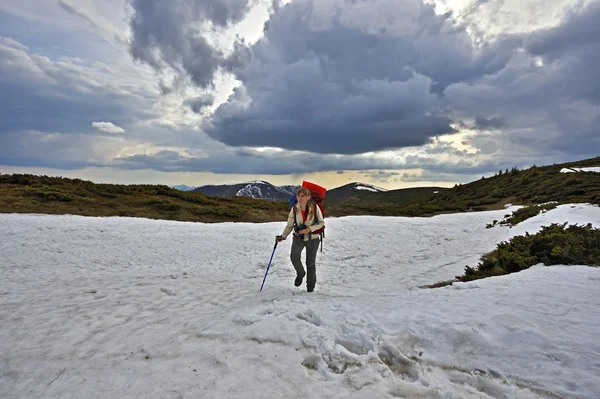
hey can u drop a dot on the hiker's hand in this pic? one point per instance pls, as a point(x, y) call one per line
point(278, 238)
point(304, 231)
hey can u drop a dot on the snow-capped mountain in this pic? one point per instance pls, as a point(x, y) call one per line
point(350, 194)
point(253, 189)
point(368, 187)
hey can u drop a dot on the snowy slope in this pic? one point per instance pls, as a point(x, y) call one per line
point(130, 308)
point(573, 170)
point(265, 190)
point(368, 187)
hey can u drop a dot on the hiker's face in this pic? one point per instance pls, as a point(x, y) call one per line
point(302, 198)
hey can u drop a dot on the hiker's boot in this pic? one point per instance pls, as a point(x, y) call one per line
point(298, 281)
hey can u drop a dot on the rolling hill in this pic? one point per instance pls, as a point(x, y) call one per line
point(564, 183)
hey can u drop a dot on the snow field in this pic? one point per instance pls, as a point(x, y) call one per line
point(129, 308)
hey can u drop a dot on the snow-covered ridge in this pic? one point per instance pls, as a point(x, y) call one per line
point(368, 187)
point(257, 182)
point(289, 189)
point(252, 190)
point(573, 170)
point(265, 190)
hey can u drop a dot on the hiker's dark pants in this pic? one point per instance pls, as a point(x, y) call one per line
point(312, 247)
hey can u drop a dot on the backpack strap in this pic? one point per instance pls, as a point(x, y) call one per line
point(295, 220)
point(315, 220)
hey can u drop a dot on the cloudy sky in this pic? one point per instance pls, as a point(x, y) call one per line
point(396, 93)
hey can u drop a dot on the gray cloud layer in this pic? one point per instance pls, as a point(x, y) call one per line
point(37, 93)
point(333, 76)
point(546, 98)
point(328, 77)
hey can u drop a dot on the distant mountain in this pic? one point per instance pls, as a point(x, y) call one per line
point(183, 187)
point(365, 194)
point(572, 182)
point(254, 189)
point(350, 194)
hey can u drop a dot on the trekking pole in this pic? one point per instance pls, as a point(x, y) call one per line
point(263, 283)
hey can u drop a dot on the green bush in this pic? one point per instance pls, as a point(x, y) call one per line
point(166, 207)
point(527, 212)
point(553, 245)
point(50, 194)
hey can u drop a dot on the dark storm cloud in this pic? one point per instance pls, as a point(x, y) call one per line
point(574, 45)
point(487, 123)
point(197, 104)
point(546, 97)
point(328, 77)
point(347, 83)
point(334, 77)
point(166, 34)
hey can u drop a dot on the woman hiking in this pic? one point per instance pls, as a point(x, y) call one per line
point(304, 218)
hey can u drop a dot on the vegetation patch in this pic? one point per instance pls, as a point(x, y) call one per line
point(523, 214)
point(438, 285)
point(50, 194)
point(533, 186)
point(57, 195)
point(528, 212)
point(555, 244)
point(24, 193)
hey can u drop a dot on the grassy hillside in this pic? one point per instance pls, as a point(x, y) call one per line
point(532, 186)
point(525, 187)
point(42, 194)
point(52, 195)
point(348, 195)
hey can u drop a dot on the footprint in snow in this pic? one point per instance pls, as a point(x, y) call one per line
point(312, 362)
point(168, 291)
point(398, 362)
point(310, 317)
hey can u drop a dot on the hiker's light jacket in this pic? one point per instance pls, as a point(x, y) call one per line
point(308, 222)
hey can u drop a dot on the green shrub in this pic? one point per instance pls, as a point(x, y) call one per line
point(527, 212)
point(166, 207)
point(553, 245)
point(50, 194)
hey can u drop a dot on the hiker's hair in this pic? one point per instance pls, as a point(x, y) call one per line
point(311, 208)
